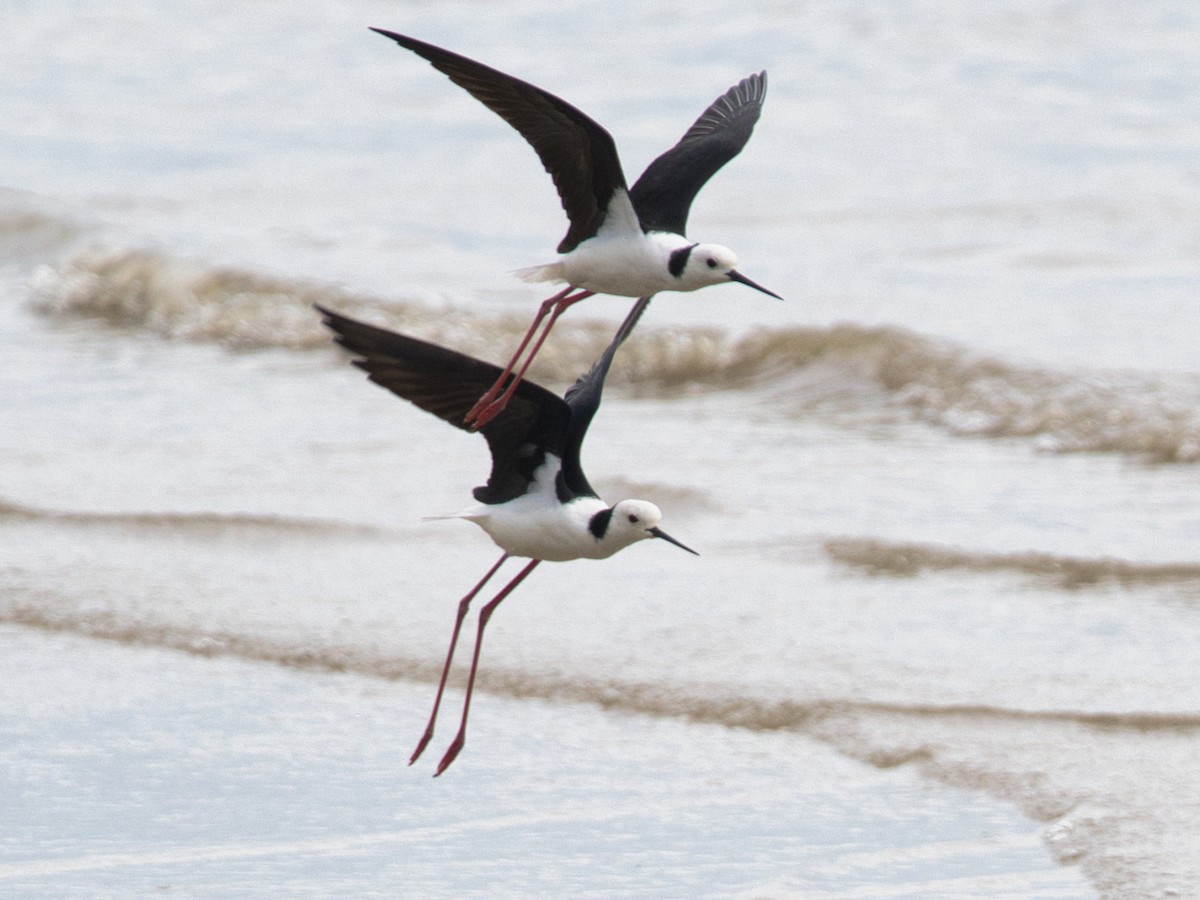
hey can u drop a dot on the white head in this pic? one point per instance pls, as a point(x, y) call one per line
point(628, 522)
point(700, 265)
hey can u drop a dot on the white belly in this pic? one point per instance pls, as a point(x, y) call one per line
point(624, 267)
point(620, 259)
point(535, 529)
point(536, 525)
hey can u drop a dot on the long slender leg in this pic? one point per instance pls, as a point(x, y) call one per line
point(463, 604)
point(484, 614)
point(494, 390)
point(482, 413)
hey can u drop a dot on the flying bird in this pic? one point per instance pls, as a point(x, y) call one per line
point(622, 241)
point(537, 503)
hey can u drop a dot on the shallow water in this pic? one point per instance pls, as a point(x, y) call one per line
point(216, 776)
point(945, 494)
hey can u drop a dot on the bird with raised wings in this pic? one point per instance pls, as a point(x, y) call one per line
point(625, 241)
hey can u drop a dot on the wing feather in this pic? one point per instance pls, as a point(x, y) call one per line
point(447, 384)
point(578, 153)
point(664, 194)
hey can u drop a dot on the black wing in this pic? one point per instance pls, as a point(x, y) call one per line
point(448, 384)
point(664, 193)
point(583, 398)
point(578, 153)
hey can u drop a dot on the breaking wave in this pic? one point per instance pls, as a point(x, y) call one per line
point(847, 366)
point(30, 228)
point(197, 523)
point(728, 709)
point(886, 558)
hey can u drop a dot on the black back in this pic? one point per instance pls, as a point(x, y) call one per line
point(664, 194)
point(535, 422)
point(578, 153)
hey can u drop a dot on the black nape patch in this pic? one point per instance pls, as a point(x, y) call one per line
point(678, 259)
point(598, 525)
point(561, 490)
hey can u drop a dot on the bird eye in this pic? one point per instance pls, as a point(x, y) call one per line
point(633, 518)
point(711, 263)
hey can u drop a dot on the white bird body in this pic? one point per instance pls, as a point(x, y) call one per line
point(622, 260)
point(538, 525)
point(619, 259)
point(531, 528)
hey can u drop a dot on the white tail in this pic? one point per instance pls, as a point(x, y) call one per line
point(545, 272)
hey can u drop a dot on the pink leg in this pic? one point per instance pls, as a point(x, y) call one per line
point(463, 604)
point(488, 406)
point(494, 390)
point(484, 614)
